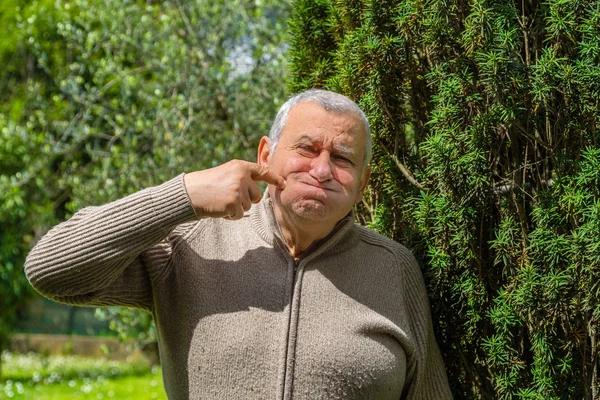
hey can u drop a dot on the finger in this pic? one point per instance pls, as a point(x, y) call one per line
point(239, 211)
point(262, 173)
point(235, 212)
point(254, 192)
point(246, 203)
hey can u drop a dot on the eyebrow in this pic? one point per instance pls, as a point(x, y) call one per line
point(338, 149)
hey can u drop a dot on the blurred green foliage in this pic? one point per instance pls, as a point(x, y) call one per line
point(486, 164)
point(101, 99)
point(44, 377)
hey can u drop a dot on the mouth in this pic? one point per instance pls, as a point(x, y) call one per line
point(317, 186)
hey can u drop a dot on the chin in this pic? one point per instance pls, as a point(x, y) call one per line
point(311, 209)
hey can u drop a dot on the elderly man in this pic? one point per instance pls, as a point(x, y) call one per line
point(284, 299)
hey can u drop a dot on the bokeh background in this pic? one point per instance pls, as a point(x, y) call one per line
point(485, 119)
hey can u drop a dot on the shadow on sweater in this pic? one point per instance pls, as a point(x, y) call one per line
point(211, 312)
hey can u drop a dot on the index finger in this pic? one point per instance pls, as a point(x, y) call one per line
point(262, 173)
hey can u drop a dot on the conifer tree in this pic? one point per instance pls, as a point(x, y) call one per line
point(487, 165)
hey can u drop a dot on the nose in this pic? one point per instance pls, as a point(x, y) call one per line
point(321, 167)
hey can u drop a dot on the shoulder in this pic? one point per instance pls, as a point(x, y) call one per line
point(384, 244)
point(211, 232)
point(183, 232)
point(388, 251)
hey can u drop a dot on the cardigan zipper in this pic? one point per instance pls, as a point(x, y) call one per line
point(292, 323)
point(298, 266)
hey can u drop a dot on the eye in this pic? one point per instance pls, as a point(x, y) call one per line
point(305, 150)
point(343, 161)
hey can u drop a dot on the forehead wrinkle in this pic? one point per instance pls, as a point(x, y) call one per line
point(339, 147)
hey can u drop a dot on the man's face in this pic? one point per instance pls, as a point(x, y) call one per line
point(321, 155)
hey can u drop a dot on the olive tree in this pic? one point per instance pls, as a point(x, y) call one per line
point(101, 99)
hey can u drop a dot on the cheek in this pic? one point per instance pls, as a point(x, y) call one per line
point(346, 178)
point(294, 164)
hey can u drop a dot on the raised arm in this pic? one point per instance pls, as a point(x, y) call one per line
point(111, 255)
point(107, 255)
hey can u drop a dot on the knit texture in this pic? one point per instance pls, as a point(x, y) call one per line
point(237, 317)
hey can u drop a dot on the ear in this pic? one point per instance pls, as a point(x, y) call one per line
point(264, 150)
point(363, 184)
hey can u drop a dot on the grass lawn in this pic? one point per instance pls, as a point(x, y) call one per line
point(39, 377)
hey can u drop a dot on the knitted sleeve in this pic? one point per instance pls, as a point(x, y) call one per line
point(111, 255)
point(428, 378)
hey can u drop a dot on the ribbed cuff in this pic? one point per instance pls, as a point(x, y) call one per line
point(171, 203)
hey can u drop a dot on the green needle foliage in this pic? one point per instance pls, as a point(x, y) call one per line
point(485, 116)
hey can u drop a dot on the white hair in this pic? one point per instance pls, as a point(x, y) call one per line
point(331, 102)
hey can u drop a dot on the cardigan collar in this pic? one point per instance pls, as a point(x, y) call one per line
point(264, 221)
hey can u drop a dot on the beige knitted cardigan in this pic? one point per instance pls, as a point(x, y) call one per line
point(237, 317)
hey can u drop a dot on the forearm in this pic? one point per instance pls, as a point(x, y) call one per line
point(92, 250)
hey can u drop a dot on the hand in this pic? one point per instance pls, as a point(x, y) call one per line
point(227, 191)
